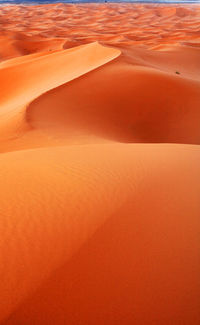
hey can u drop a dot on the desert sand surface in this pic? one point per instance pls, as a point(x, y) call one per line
point(99, 164)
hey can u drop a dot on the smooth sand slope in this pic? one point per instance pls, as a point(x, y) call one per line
point(138, 205)
point(22, 82)
point(99, 165)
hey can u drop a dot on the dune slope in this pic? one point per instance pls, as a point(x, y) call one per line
point(24, 80)
point(141, 265)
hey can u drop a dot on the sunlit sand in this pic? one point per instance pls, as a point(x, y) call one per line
point(99, 165)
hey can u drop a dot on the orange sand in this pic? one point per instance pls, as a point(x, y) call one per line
point(99, 165)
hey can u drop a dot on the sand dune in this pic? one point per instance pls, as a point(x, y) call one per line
point(20, 82)
point(123, 25)
point(99, 164)
point(143, 257)
point(42, 112)
point(173, 116)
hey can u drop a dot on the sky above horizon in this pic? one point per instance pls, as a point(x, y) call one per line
point(181, 1)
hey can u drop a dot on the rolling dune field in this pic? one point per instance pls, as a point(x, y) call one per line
point(99, 164)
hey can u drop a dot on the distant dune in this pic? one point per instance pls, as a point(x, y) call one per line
point(99, 164)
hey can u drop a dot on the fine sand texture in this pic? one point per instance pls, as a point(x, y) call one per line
point(99, 164)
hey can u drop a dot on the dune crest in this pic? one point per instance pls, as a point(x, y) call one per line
point(24, 80)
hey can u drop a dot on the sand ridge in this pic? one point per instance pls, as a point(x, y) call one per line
point(28, 29)
point(20, 83)
point(99, 164)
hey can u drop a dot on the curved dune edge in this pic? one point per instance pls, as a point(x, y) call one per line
point(23, 59)
point(119, 101)
point(58, 199)
point(29, 78)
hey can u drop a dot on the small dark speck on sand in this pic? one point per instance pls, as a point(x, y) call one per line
point(177, 72)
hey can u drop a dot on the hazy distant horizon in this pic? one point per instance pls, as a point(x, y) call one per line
point(96, 1)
